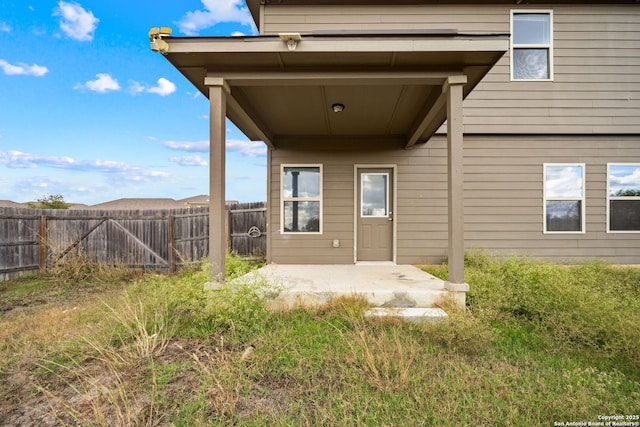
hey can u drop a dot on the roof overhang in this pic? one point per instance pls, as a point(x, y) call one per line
point(391, 84)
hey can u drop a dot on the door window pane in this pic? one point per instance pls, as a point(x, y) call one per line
point(375, 195)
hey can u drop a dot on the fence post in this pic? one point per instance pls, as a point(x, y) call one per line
point(172, 258)
point(42, 244)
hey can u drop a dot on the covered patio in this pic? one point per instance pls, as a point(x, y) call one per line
point(398, 88)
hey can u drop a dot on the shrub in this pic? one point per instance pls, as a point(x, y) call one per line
point(239, 307)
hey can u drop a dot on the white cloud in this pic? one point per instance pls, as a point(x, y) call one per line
point(4, 27)
point(189, 161)
point(215, 11)
point(37, 185)
point(136, 88)
point(198, 146)
point(244, 148)
point(23, 69)
point(76, 22)
point(19, 160)
point(107, 166)
point(247, 148)
point(104, 83)
point(115, 176)
point(156, 174)
point(163, 88)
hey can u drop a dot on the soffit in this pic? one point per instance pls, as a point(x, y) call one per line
point(388, 84)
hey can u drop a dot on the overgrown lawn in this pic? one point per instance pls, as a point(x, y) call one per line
point(539, 343)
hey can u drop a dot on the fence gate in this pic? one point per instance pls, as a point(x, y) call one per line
point(33, 239)
point(248, 229)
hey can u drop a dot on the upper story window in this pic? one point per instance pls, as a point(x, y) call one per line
point(301, 193)
point(623, 192)
point(531, 45)
point(564, 198)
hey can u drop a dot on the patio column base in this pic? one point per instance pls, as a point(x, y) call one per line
point(458, 292)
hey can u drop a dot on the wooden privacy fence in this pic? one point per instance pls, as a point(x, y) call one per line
point(163, 240)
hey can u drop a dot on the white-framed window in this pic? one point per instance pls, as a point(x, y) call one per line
point(301, 195)
point(531, 45)
point(623, 197)
point(564, 198)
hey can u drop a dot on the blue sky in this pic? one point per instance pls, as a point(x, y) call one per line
point(91, 113)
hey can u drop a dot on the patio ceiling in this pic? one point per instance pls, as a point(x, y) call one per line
point(390, 84)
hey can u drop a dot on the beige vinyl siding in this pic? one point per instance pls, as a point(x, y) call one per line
point(337, 214)
point(504, 196)
point(306, 19)
point(503, 199)
point(596, 86)
point(421, 214)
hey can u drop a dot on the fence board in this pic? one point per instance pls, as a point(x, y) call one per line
point(163, 240)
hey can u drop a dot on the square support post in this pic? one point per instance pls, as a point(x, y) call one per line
point(455, 170)
point(218, 91)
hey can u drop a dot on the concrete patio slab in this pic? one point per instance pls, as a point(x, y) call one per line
point(382, 285)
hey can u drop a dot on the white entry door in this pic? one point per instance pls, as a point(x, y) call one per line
point(374, 214)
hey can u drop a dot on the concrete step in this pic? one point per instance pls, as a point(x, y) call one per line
point(414, 298)
point(409, 314)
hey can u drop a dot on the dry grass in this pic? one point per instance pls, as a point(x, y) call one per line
point(106, 387)
point(163, 352)
point(101, 393)
point(30, 333)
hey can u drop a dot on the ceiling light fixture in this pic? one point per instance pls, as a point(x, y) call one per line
point(337, 108)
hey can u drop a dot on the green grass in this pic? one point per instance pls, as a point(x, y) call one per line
point(538, 343)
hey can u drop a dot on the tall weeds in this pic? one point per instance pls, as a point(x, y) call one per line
point(593, 305)
point(106, 388)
